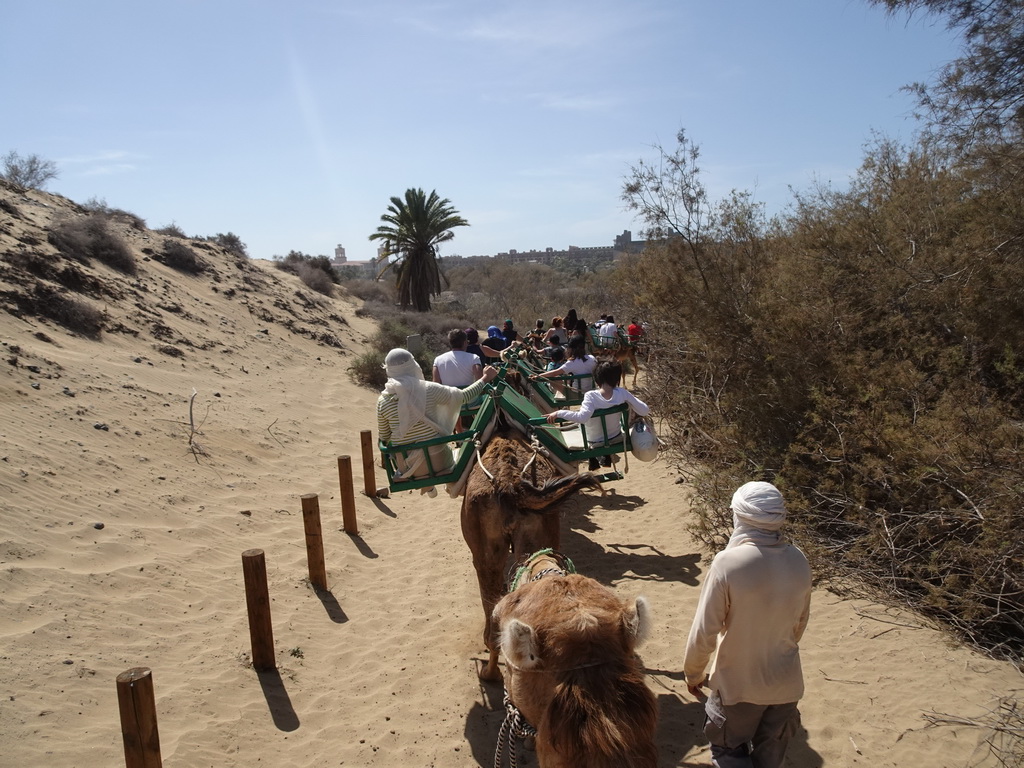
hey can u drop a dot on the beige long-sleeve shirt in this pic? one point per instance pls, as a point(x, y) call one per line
point(753, 610)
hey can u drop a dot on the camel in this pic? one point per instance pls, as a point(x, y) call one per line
point(621, 353)
point(516, 511)
point(572, 672)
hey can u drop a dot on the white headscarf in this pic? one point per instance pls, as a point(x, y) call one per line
point(758, 512)
point(405, 381)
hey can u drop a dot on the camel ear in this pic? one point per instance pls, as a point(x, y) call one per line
point(638, 621)
point(519, 644)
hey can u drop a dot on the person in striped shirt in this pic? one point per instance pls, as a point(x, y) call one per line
point(411, 410)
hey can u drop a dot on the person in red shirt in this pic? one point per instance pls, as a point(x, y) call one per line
point(634, 332)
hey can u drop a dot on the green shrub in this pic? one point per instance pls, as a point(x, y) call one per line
point(89, 237)
point(368, 369)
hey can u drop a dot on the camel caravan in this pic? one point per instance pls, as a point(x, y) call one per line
point(574, 686)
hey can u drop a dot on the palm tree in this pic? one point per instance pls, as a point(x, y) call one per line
point(413, 229)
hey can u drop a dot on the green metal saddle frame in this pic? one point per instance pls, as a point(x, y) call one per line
point(464, 447)
point(574, 445)
point(567, 447)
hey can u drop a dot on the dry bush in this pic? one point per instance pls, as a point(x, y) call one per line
point(99, 206)
point(378, 291)
point(89, 237)
point(30, 172)
point(295, 259)
point(172, 230)
point(867, 356)
point(315, 278)
point(1003, 728)
point(493, 291)
point(177, 255)
point(74, 314)
point(230, 242)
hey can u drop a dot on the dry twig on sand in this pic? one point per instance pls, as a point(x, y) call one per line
point(1005, 726)
point(272, 434)
point(194, 446)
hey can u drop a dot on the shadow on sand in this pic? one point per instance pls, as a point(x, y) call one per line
point(334, 610)
point(634, 560)
point(383, 507)
point(278, 703)
point(483, 723)
point(681, 742)
point(362, 546)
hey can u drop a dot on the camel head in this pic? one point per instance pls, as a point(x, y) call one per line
point(568, 620)
point(571, 669)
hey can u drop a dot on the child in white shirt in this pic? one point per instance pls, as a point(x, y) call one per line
point(607, 376)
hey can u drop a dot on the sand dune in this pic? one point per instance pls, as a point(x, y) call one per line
point(121, 547)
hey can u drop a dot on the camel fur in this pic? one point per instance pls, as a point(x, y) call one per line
point(572, 671)
point(516, 512)
point(621, 354)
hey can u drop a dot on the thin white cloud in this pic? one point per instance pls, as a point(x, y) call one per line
point(105, 163)
point(523, 24)
point(575, 103)
point(309, 109)
point(110, 169)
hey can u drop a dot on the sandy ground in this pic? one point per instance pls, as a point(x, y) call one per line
point(120, 547)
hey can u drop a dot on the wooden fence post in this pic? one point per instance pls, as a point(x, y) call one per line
point(257, 600)
point(138, 718)
point(348, 497)
point(369, 481)
point(314, 541)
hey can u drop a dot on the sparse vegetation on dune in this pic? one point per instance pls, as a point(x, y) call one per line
point(50, 269)
point(90, 237)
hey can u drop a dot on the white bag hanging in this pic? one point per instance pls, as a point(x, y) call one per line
point(643, 439)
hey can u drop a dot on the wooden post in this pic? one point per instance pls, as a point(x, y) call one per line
point(348, 497)
point(314, 541)
point(138, 718)
point(369, 481)
point(257, 600)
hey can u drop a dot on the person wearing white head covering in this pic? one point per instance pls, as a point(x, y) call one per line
point(753, 609)
point(411, 410)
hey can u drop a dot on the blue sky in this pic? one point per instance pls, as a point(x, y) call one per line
point(293, 123)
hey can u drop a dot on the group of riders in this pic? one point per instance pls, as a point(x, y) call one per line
point(551, 342)
point(413, 410)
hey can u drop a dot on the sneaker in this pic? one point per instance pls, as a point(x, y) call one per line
point(593, 466)
point(430, 492)
point(606, 461)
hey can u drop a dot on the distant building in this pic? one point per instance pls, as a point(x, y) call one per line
point(344, 266)
point(590, 256)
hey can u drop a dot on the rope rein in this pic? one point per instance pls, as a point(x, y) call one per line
point(528, 464)
point(567, 567)
point(514, 726)
point(480, 461)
